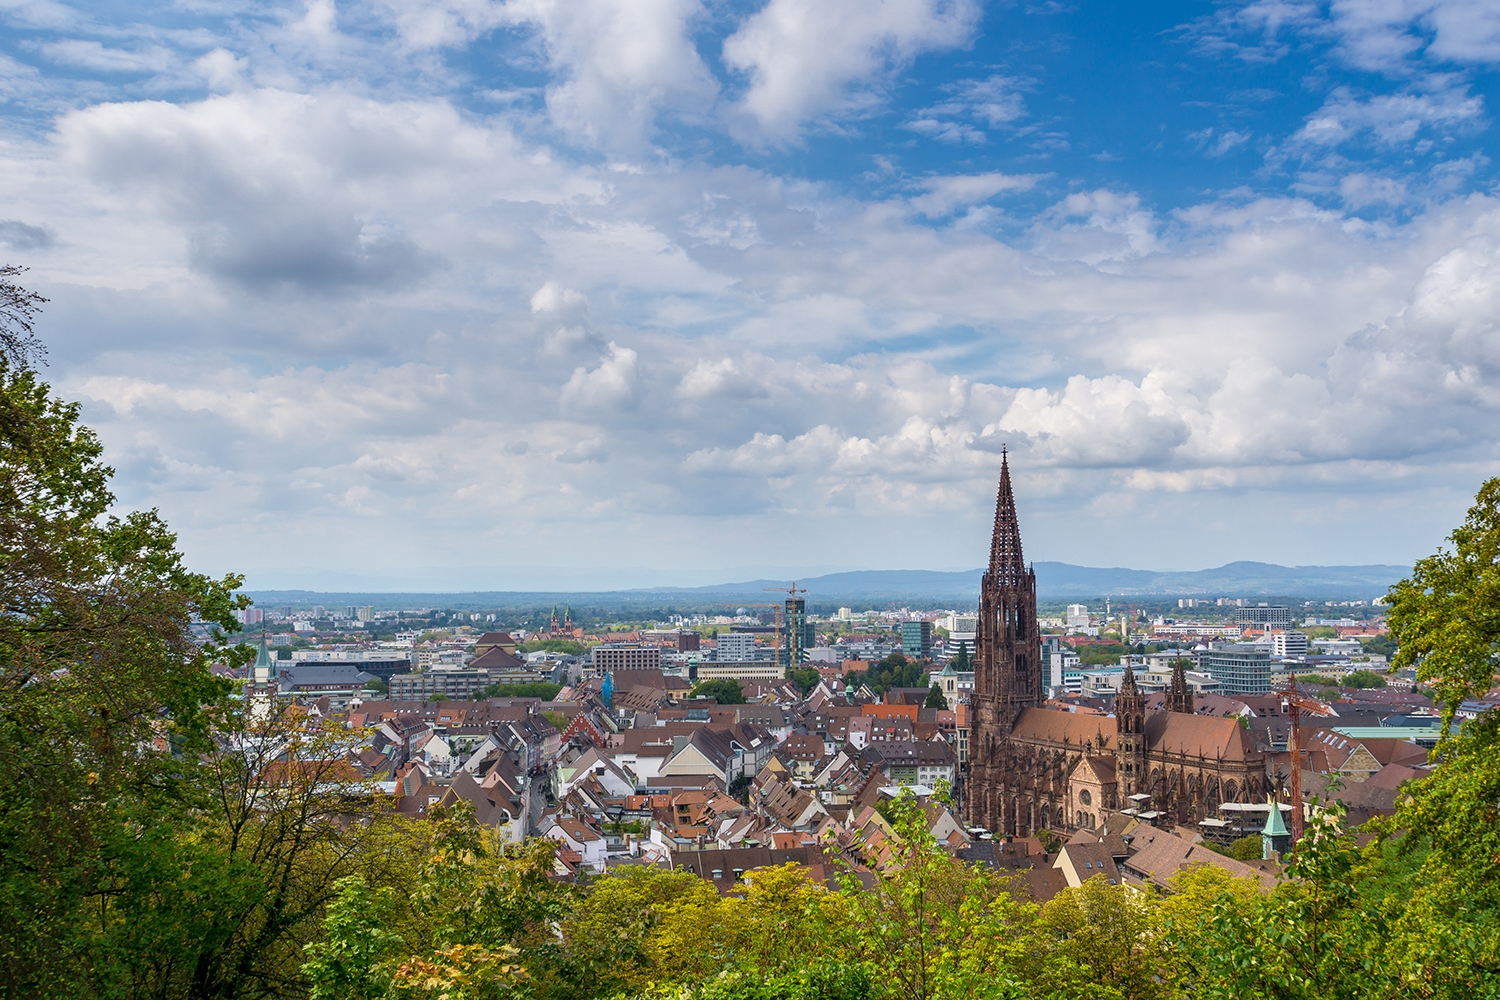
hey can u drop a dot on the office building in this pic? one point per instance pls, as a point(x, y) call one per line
point(743, 671)
point(916, 640)
point(961, 632)
point(1239, 669)
point(798, 635)
point(1288, 644)
point(736, 646)
point(1272, 616)
point(613, 656)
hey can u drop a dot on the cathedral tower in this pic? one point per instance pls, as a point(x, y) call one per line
point(1007, 667)
point(1179, 695)
point(1130, 720)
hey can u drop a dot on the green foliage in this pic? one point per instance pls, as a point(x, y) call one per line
point(895, 671)
point(1445, 617)
point(1317, 680)
point(1100, 654)
point(1248, 848)
point(1363, 679)
point(963, 662)
point(350, 962)
point(806, 678)
point(544, 690)
point(1378, 645)
point(101, 681)
point(377, 685)
point(722, 689)
point(935, 698)
point(568, 647)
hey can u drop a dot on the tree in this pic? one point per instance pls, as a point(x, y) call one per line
point(1364, 679)
point(19, 347)
point(105, 696)
point(936, 698)
point(722, 689)
point(1445, 617)
point(544, 690)
point(932, 926)
point(806, 678)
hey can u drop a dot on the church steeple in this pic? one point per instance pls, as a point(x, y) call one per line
point(1007, 565)
point(1130, 721)
point(1179, 695)
point(264, 671)
point(1007, 670)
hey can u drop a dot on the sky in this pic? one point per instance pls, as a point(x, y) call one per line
point(469, 294)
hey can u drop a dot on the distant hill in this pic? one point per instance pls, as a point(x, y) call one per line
point(1055, 580)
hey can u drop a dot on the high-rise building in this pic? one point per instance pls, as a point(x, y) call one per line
point(916, 640)
point(798, 635)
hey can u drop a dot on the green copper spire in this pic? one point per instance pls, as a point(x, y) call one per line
point(263, 661)
point(1275, 838)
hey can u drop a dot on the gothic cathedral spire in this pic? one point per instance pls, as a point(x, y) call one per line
point(1007, 668)
point(1130, 724)
point(1179, 695)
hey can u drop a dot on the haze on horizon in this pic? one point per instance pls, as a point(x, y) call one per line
point(464, 294)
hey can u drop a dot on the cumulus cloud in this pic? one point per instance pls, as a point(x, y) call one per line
point(498, 317)
point(1095, 226)
point(823, 59)
point(609, 386)
point(275, 188)
point(620, 64)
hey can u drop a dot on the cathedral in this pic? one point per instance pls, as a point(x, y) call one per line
point(1033, 767)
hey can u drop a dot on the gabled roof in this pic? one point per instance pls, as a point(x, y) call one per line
point(496, 658)
point(1192, 735)
point(1046, 725)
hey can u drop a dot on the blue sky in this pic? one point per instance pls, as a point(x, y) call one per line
point(600, 292)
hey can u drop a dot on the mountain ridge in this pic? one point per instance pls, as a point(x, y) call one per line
point(1054, 580)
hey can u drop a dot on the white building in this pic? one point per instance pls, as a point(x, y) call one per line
point(736, 646)
point(1288, 644)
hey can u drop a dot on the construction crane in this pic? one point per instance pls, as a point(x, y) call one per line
point(1292, 704)
point(791, 626)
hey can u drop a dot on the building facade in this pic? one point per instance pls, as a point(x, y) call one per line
point(1033, 768)
point(614, 656)
point(916, 640)
point(1239, 670)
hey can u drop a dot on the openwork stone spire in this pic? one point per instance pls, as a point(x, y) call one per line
point(1179, 695)
point(1007, 566)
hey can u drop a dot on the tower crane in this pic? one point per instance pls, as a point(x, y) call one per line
point(793, 590)
point(1292, 704)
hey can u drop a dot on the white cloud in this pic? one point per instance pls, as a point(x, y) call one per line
point(1095, 226)
point(1391, 119)
point(609, 386)
point(945, 194)
point(619, 64)
point(89, 54)
point(811, 60)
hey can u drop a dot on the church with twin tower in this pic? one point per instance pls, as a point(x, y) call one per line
point(1032, 767)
